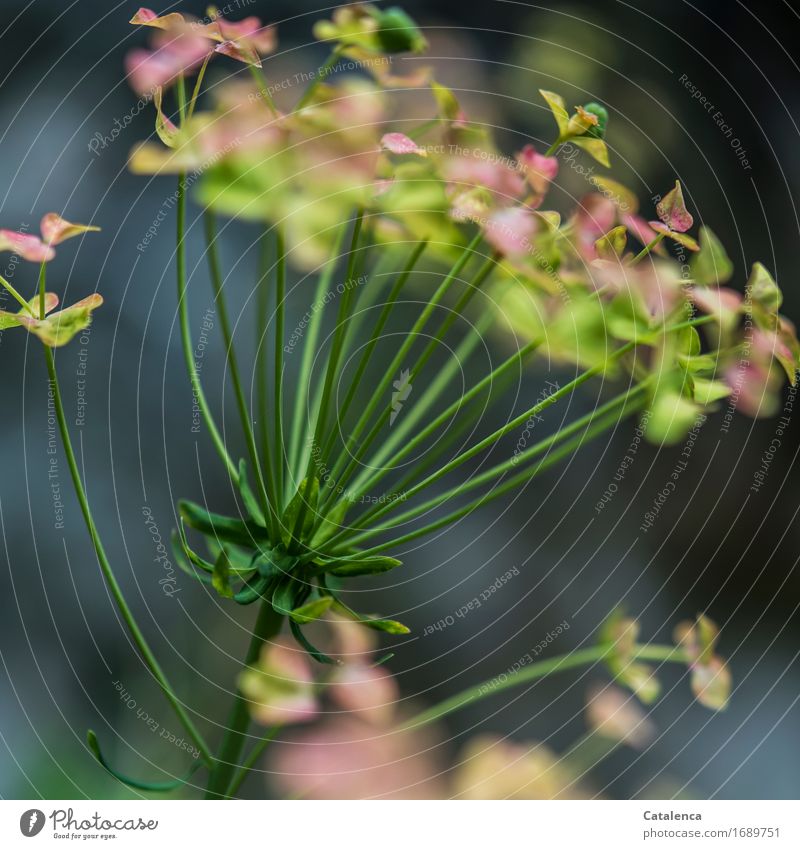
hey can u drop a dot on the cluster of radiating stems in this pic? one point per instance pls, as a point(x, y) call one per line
point(283, 453)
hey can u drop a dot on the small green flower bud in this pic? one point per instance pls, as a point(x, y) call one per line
point(598, 131)
point(398, 33)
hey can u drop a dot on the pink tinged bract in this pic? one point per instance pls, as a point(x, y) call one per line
point(672, 210)
point(59, 327)
point(29, 247)
point(510, 231)
point(539, 170)
point(56, 229)
point(401, 144)
point(173, 55)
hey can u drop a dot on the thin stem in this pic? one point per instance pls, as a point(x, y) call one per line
point(183, 313)
point(262, 87)
point(554, 146)
point(455, 408)
point(330, 373)
point(500, 469)
point(366, 354)
point(493, 438)
point(268, 625)
point(108, 574)
point(649, 247)
point(540, 669)
point(344, 468)
point(197, 85)
point(16, 295)
point(434, 389)
point(268, 502)
point(320, 76)
point(262, 348)
point(303, 421)
point(251, 760)
point(42, 288)
point(277, 412)
point(526, 475)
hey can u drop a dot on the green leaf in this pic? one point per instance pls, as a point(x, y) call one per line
point(388, 626)
point(11, 319)
point(58, 328)
point(710, 266)
point(312, 610)
point(223, 528)
point(672, 416)
point(304, 494)
point(248, 498)
point(596, 148)
point(764, 291)
point(220, 579)
point(708, 391)
point(559, 110)
point(350, 568)
point(612, 244)
point(301, 638)
point(331, 524)
point(448, 106)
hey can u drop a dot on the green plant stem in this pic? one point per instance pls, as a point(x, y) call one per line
point(262, 348)
point(108, 574)
point(277, 412)
point(303, 422)
point(183, 311)
point(369, 349)
point(16, 295)
point(344, 468)
point(268, 625)
point(251, 760)
point(454, 408)
point(422, 405)
point(540, 669)
point(330, 372)
point(198, 84)
point(42, 289)
point(262, 87)
point(493, 438)
point(554, 146)
point(320, 77)
point(419, 324)
point(648, 247)
point(607, 410)
point(267, 496)
point(565, 450)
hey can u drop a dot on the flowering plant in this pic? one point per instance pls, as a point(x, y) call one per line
point(347, 188)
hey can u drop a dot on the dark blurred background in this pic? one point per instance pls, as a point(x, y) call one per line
point(717, 547)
